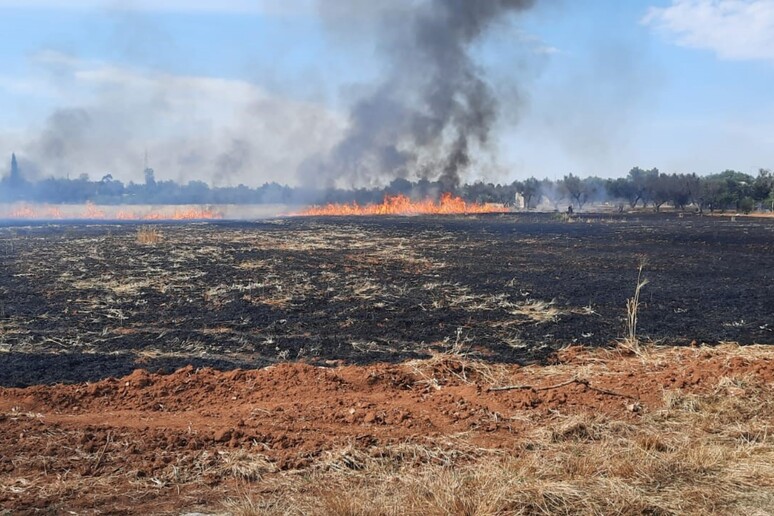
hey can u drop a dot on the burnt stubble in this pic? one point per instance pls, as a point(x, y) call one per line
point(86, 302)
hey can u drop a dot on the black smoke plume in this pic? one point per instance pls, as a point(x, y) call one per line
point(433, 103)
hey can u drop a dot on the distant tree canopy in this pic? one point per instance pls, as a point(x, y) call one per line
point(727, 190)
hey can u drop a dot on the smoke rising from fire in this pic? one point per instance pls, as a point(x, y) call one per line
point(432, 105)
point(427, 114)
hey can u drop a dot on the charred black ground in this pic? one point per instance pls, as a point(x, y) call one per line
point(84, 302)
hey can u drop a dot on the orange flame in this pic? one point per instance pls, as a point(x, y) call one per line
point(185, 214)
point(23, 212)
point(93, 212)
point(403, 205)
point(52, 212)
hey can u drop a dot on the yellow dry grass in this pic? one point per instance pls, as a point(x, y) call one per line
point(710, 452)
point(148, 235)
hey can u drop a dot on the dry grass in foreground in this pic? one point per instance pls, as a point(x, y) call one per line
point(651, 430)
point(699, 453)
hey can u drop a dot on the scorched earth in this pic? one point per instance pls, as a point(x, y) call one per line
point(83, 302)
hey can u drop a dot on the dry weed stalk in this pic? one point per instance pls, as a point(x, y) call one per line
point(632, 341)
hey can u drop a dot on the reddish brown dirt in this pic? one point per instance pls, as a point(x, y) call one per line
point(119, 437)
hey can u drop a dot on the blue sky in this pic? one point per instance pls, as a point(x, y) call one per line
point(593, 87)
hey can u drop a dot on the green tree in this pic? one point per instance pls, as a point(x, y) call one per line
point(529, 189)
point(640, 180)
point(657, 189)
point(679, 188)
point(554, 192)
point(578, 189)
point(623, 188)
point(763, 186)
point(747, 205)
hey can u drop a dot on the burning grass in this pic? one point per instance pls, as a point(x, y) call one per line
point(90, 211)
point(448, 204)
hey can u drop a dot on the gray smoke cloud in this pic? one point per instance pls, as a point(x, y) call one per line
point(220, 131)
point(426, 114)
point(432, 105)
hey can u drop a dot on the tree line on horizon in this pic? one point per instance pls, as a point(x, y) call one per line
point(728, 190)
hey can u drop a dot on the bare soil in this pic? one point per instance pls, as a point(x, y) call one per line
point(189, 440)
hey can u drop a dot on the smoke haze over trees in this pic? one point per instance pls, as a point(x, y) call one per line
point(354, 94)
point(727, 190)
point(423, 121)
point(426, 112)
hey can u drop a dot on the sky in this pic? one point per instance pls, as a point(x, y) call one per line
point(249, 91)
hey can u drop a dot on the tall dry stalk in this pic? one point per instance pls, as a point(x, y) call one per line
point(632, 311)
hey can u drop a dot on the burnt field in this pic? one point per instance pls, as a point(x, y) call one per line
point(86, 302)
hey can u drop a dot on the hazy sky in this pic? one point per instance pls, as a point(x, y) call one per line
point(239, 91)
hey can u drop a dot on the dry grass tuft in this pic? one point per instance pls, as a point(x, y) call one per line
point(577, 428)
point(245, 466)
point(705, 453)
point(148, 235)
point(456, 363)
